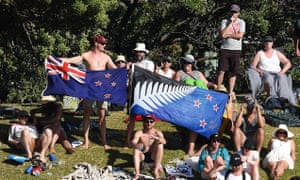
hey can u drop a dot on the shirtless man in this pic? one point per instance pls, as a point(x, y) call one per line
point(148, 146)
point(94, 60)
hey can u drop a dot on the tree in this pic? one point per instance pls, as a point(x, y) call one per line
point(31, 31)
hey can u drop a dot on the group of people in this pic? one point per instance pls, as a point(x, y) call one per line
point(214, 159)
point(35, 133)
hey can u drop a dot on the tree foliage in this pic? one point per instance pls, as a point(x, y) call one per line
point(32, 30)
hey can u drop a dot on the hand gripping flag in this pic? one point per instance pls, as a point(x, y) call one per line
point(66, 79)
point(197, 109)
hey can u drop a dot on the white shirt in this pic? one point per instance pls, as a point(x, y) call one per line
point(146, 64)
point(271, 64)
point(240, 177)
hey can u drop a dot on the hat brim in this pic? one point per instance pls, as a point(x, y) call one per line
point(143, 50)
point(289, 133)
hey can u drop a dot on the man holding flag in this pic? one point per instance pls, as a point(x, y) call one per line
point(94, 60)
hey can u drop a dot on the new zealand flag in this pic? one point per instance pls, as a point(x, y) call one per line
point(66, 79)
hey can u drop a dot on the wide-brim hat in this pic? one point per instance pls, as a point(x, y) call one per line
point(285, 128)
point(188, 58)
point(141, 47)
point(48, 98)
point(120, 58)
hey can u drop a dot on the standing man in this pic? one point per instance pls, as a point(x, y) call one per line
point(297, 35)
point(94, 60)
point(232, 32)
point(148, 146)
point(142, 62)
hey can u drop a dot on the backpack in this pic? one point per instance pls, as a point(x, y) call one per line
point(229, 171)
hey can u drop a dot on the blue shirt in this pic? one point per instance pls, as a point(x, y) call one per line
point(222, 151)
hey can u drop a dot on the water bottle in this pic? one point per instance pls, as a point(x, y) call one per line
point(52, 158)
point(36, 171)
point(19, 159)
point(28, 169)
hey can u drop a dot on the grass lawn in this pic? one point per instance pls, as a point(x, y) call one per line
point(117, 156)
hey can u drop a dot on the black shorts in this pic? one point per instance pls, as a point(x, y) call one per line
point(229, 61)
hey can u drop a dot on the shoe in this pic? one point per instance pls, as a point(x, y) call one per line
point(222, 88)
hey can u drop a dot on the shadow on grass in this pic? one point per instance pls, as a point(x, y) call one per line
point(115, 155)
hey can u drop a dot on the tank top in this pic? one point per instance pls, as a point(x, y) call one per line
point(271, 64)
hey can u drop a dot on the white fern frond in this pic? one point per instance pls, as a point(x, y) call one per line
point(151, 95)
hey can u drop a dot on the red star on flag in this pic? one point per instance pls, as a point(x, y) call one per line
point(203, 123)
point(98, 83)
point(107, 75)
point(113, 84)
point(197, 103)
point(215, 107)
point(107, 96)
point(209, 97)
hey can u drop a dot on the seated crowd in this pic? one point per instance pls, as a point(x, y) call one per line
point(246, 129)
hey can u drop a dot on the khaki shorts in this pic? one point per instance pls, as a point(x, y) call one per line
point(99, 104)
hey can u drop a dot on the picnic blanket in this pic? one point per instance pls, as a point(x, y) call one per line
point(87, 171)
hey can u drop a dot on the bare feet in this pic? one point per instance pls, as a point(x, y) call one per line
point(85, 146)
point(136, 177)
point(70, 150)
point(52, 150)
point(106, 147)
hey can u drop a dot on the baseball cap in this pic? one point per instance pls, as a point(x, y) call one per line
point(268, 39)
point(214, 137)
point(235, 160)
point(235, 8)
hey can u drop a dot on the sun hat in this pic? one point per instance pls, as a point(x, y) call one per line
point(120, 58)
point(268, 39)
point(141, 47)
point(235, 160)
point(235, 8)
point(100, 39)
point(188, 58)
point(285, 128)
point(48, 98)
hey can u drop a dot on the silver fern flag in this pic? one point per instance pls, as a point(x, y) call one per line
point(191, 107)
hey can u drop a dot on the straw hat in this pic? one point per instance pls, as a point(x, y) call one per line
point(141, 47)
point(120, 58)
point(285, 128)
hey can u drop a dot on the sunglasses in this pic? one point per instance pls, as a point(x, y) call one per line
point(149, 121)
point(119, 62)
point(215, 140)
point(103, 44)
point(282, 132)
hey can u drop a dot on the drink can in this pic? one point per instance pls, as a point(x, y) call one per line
point(36, 171)
point(52, 157)
point(28, 169)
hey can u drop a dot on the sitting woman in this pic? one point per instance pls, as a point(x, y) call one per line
point(267, 63)
point(50, 126)
point(24, 135)
point(192, 78)
point(282, 152)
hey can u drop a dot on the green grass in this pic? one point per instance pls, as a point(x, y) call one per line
point(117, 156)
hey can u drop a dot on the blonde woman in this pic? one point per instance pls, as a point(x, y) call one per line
point(282, 152)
